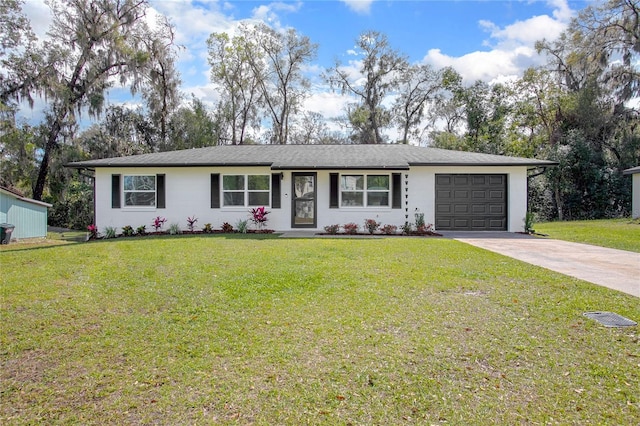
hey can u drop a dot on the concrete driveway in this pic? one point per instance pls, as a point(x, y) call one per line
point(615, 269)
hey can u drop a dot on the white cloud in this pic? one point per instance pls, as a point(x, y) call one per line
point(329, 104)
point(193, 23)
point(562, 11)
point(40, 16)
point(511, 47)
point(524, 32)
point(362, 7)
point(269, 13)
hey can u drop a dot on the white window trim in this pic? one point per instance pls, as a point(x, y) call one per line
point(245, 191)
point(138, 207)
point(365, 197)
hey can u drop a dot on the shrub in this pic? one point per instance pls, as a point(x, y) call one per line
point(371, 225)
point(141, 230)
point(389, 229)
point(259, 216)
point(350, 228)
point(109, 232)
point(127, 231)
point(242, 226)
point(419, 220)
point(174, 229)
point(191, 221)
point(207, 229)
point(406, 228)
point(528, 223)
point(332, 229)
point(93, 231)
point(424, 229)
point(227, 228)
point(158, 223)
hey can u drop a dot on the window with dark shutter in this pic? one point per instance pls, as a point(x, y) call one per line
point(275, 190)
point(396, 190)
point(115, 191)
point(215, 190)
point(160, 192)
point(333, 190)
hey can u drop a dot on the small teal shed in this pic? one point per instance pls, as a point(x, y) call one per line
point(28, 216)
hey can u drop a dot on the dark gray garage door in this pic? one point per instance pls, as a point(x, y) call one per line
point(471, 202)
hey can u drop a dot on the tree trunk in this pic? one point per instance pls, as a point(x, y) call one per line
point(558, 204)
point(44, 164)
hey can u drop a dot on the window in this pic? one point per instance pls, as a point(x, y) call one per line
point(246, 190)
point(139, 191)
point(361, 190)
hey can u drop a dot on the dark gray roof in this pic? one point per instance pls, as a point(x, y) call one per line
point(632, 171)
point(291, 157)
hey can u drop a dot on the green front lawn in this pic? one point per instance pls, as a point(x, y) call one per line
point(623, 234)
point(217, 330)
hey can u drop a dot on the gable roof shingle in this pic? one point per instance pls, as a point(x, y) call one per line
point(292, 157)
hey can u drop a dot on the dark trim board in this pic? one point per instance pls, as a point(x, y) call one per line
point(471, 202)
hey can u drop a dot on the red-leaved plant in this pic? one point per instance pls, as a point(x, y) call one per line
point(93, 231)
point(259, 216)
point(191, 221)
point(350, 228)
point(371, 225)
point(158, 222)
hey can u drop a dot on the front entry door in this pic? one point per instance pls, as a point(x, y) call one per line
point(303, 214)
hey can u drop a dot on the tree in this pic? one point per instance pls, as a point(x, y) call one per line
point(595, 133)
point(609, 35)
point(162, 89)
point(18, 148)
point(419, 86)
point(19, 59)
point(231, 69)
point(92, 45)
point(484, 110)
point(311, 130)
point(378, 76)
point(278, 66)
point(447, 115)
point(123, 131)
point(193, 126)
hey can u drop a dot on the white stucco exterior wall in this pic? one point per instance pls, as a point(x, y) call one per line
point(188, 191)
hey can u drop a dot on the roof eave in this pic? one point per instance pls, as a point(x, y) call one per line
point(339, 167)
point(93, 166)
point(487, 164)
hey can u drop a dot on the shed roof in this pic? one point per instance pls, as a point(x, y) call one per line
point(19, 196)
point(632, 171)
point(292, 157)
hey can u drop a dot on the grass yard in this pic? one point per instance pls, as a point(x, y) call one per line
point(220, 330)
point(623, 234)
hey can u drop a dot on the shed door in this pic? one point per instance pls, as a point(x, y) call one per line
point(470, 202)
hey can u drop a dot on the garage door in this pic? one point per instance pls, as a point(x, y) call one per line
point(471, 202)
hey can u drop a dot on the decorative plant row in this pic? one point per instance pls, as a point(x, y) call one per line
point(372, 227)
point(258, 216)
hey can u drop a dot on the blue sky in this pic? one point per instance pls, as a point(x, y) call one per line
point(488, 40)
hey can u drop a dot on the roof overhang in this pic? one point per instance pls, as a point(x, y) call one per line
point(23, 198)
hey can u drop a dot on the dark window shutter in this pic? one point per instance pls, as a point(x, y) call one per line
point(215, 190)
point(115, 191)
point(160, 192)
point(275, 191)
point(333, 190)
point(396, 190)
